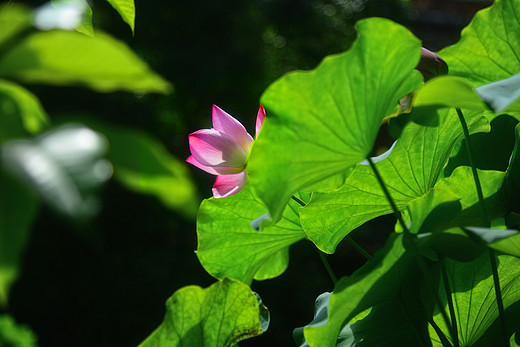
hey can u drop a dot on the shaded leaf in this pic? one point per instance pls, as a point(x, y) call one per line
point(230, 247)
point(221, 315)
point(472, 288)
point(18, 208)
point(502, 95)
point(325, 119)
point(21, 113)
point(379, 279)
point(65, 57)
point(12, 334)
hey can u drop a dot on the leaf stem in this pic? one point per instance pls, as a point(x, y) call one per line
point(327, 266)
point(485, 219)
point(413, 246)
point(449, 298)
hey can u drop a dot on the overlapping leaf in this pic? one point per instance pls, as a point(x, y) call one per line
point(472, 288)
point(409, 172)
point(14, 19)
point(221, 315)
point(67, 57)
point(322, 122)
point(230, 247)
point(375, 282)
point(489, 47)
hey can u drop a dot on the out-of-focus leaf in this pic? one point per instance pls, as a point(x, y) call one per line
point(67, 57)
point(64, 166)
point(326, 120)
point(14, 18)
point(21, 113)
point(230, 247)
point(409, 172)
point(221, 315)
point(142, 164)
point(18, 209)
point(472, 291)
point(12, 334)
point(502, 95)
point(488, 49)
point(126, 9)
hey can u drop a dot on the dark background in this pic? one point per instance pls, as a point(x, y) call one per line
point(105, 283)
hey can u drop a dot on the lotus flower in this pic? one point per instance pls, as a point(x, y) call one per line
point(223, 151)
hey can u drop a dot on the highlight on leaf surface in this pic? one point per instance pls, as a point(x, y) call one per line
point(326, 120)
point(221, 315)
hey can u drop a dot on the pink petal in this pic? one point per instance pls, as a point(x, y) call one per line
point(214, 170)
point(226, 185)
point(260, 119)
point(228, 125)
point(217, 150)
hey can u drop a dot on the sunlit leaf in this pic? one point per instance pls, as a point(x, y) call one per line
point(472, 288)
point(66, 57)
point(489, 48)
point(126, 9)
point(322, 122)
point(18, 209)
point(502, 95)
point(21, 113)
point(142, 164)
point(221, 315)
point(230, 247)
point(410, 171)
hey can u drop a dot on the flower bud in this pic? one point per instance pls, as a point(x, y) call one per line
point(431, 65)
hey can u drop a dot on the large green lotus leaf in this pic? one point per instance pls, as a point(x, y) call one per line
point(126, 9)
point(489, 47)
point(67, 57)
point(472, 288)
point(14, 18)
point(221, 315)
point(410, 171)
point(18, 208)
point(321, 122)
point(230, 247)
point(21, 113)
point(13, 334)
point(378, 280)
point(143, 165)
point(513, 174)
point(510, 245)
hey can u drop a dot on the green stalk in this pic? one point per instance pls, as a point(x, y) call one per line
point(413, 246)
point(450, 300)
point(327, 266)
point(485, 219)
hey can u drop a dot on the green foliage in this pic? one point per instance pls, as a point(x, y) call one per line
point(126, 9)
point(410, 171)
point(143, 165)
point(12, 334)
point(221, 315)
point(22, 113)
point(487, 50)
point(65, 58)
point(331, 102)
point(230, 247)
point(18, 208)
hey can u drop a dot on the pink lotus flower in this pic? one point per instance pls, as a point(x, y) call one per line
point(223, 150)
